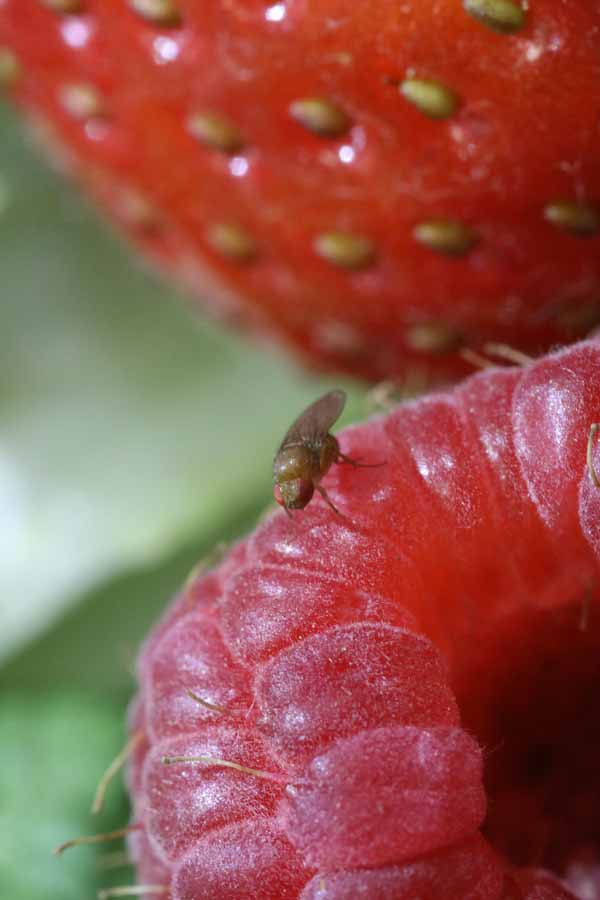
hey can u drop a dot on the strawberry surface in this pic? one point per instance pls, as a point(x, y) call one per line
point(379, 184)
point(398, 701)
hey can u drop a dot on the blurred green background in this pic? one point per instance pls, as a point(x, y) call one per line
point(134, 436)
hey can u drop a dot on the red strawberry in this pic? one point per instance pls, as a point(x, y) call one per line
point(326, 714)
point(378, 183)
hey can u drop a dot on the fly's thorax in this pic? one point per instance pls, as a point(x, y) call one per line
point(328, 454)
point(295, 461)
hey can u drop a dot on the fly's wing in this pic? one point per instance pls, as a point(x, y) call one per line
point(315, 422)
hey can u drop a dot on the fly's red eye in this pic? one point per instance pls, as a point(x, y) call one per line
point(278, 495)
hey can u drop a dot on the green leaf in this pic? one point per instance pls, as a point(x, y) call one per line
point(53, 751)
point(127, 425)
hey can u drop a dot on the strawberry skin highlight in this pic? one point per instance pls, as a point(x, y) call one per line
point(407, 691)
point(378, 184)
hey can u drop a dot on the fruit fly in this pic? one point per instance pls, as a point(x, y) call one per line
point(307, 452)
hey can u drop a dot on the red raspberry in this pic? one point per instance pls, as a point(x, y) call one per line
point(375, 677)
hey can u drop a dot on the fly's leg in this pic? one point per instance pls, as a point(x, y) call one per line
point(327, 498)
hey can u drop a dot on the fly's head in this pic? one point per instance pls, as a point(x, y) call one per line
point(294, 471)
point(294, 494)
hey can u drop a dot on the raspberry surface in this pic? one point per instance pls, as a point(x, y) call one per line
point(409, 688)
